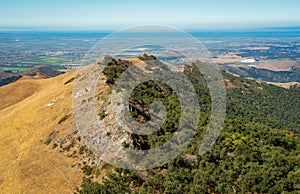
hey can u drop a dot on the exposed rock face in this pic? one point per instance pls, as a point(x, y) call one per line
point(143, 114)
point(189, 68)
point(111, 132)
point(104, 60)
point(72, 145)
point(140, 142)
point(105, 135)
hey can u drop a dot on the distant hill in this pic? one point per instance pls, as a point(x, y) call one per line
point(42, 70)
point(265, 74)
point(7, 77)
point(39, 72)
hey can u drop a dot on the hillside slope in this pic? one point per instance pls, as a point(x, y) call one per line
point(42, 152)
point(257, 150)
point(29, 111)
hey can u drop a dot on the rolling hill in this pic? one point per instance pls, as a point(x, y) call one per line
point(30, 110)
point(38, 72)
point(42, 152)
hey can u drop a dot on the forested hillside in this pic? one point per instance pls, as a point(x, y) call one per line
point(257, 150)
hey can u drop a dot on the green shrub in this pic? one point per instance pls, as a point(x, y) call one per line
point(87, 170)
point(102, 115)
point(64, 119)
point(125, 144)
point(69, 81)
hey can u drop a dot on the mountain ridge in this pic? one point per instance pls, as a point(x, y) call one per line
point(38, 138)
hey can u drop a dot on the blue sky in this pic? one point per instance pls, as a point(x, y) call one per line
point(113, 14)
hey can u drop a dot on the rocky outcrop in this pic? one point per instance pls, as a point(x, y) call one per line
point(146, 57)
point(113, 68)
point(139, 110)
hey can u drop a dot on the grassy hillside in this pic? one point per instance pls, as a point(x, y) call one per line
point(30, 110)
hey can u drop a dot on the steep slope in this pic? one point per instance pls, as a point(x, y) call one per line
point(42, 152)
point(257, 150)
point(30, 110)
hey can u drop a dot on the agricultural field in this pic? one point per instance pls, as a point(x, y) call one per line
point(49, 60)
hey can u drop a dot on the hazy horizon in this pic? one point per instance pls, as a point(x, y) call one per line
point(110, 30)
point(116, 14)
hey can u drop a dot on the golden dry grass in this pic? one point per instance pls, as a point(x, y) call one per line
point(19, 91)
point(230, 58)
point(284, 85)
point(280, 65)
point(139, 63)
point(27, 165)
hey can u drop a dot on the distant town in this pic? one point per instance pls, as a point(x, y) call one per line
point(63, 51)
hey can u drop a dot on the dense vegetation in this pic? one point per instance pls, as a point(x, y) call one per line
point(8, 80)
point(256, 152)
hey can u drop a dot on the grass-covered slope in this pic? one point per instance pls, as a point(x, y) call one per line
point(30, 110)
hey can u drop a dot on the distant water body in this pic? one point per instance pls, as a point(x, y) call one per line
point(276, 32)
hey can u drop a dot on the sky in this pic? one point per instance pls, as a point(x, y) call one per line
point(114, 14)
